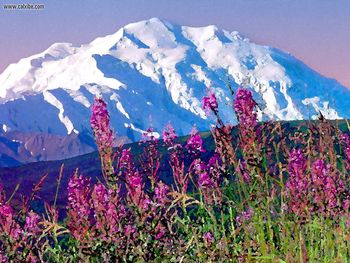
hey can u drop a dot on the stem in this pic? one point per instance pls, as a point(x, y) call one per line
point(58, 185)
point(13, 193)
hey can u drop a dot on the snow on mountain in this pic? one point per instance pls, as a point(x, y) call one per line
point(153, 72)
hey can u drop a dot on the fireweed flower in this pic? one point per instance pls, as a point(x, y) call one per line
point(115, 210)
point(100, 124)
point(100, 204)
point(297, 186)
point(244, 107)
point(31, 226)
point(199, 166)
point(126, 162)
point(318, 193)
point(104, 136)
point(129, 230)
point(7, 222)
point(204, 180)
point(106, 210)
point(150, 135)
point(209, 103)
point(345, 140)
point(160, 193)
point(150, 159)
point(215, 172)
point(208, 238)
point(245, 216)
point(176, 162)
point(326, 188)
point(242, 169)
point(135, 181)
point(160, 231)
point(248, 214)
point(3, 257)
point(178, 169)
point(215, 161)
point(169, 135)
point(223, 140)
point(6, 216)
point(201, 169)
point(135, 190)
point(207, 180)
point(194, 143)
point(78, 208)
point(126, 157)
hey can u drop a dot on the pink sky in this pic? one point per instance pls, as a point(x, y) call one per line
point(315, 31)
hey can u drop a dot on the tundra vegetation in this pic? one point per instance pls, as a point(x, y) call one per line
point(264, 195)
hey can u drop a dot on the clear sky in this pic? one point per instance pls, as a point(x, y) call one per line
point(315, 31)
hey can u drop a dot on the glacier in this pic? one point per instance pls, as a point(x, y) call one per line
point(154, 72)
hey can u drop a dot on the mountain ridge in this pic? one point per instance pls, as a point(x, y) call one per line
point(154, 72)
point(26, 175)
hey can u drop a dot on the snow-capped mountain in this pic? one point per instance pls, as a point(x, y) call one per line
point(153, 72)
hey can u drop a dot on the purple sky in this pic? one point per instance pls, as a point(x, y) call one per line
point(315, 31)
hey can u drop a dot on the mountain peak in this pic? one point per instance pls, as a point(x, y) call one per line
point(154, 69)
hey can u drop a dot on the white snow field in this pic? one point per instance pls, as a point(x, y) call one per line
point(153, 72)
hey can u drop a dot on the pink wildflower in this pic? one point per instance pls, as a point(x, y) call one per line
point(215, 160)
point(244, 107)
point(105, 204)
point(150, 135)
point(326, 188)
point(319, 193)
point(201, 169)
point(5, 216)
point(160, 231)
point(160, 193)
point(204, 180)
point(242, 168)
point(32, 223)
point(135, 189)
point(194, 142)
point(199, 166)
point(208, 238)
point(298, 183)
point(245, 216)
point(100, 125)
point(345, 139)
point(150, 159)
point(169, 135)
point(209, 103)
point(78, 207)
point(129, 230)
point(7, 222)
point(100, 204)
point(3, 257)
point(126, 161)
point(104, 136)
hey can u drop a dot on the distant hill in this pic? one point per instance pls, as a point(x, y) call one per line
point(89, 165)
point(17, 148)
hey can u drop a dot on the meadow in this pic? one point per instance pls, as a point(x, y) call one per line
point(265, 194)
